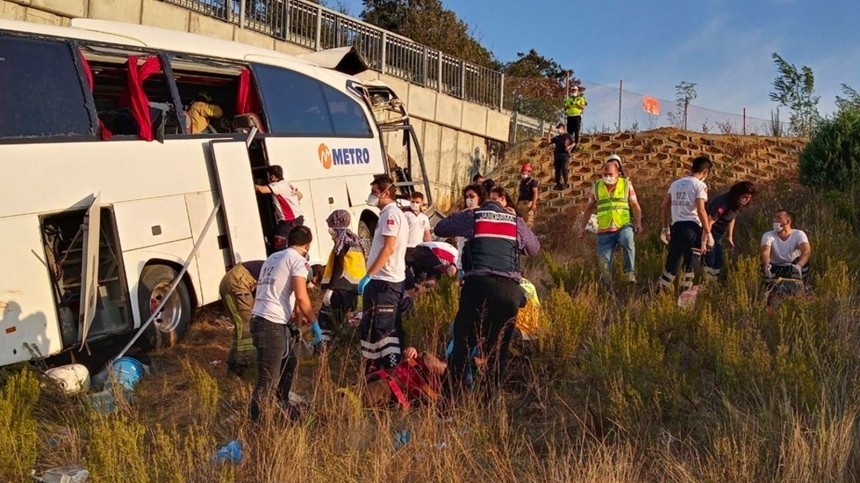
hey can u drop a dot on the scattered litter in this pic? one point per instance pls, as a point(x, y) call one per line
point(72, 378)
point(296, 398)
point(401, 439)
point(64, 474)
point(687, 299)
point(231, 452)
point(214, 363)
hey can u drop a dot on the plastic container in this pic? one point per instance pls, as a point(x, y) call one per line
point(127, 371)
point(72, 378)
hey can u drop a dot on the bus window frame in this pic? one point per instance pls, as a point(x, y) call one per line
point(82, 84)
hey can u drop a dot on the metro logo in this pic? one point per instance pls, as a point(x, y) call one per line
point(325, 156)
point(342, 156)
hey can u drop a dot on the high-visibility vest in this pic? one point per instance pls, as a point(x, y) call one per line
point(612, 208)
point(574, 105)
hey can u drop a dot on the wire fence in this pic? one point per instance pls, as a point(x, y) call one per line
point(614, 109)
point(315, 27)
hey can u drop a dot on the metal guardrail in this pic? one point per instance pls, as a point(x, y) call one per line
point(310, 25)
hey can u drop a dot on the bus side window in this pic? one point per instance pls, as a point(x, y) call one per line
point(113, 96)
point(346, 114)
point(208, 92)
point(41, 94)
point(294, 103)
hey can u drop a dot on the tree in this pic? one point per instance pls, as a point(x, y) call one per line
point(684, 93)
point(795, 89)
point(428, 22)
point(850, 101)
point(534, 85)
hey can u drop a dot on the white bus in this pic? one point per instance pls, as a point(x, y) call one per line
point(106, 192)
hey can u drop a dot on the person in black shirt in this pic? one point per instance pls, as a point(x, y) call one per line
point(527, 200)
point(722, 212)
point(562, 143)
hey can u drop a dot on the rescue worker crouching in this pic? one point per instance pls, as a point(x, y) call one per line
point(491, 294)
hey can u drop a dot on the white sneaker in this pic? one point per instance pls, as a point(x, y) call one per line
point(631, 277)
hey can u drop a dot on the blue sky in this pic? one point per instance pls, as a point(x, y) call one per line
point(724, 46)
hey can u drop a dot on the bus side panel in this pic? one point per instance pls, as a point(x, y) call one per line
point(135, 260)
point(211, 261)
point(28, 315)
point(155, 221)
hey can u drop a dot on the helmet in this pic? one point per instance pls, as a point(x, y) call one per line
point(526, 167)
point(613, 157)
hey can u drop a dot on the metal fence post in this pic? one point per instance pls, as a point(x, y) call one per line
point(512, 139)
point(337, 31)
point(318, 40)
point(462, 79)
point(242, 14)
point(384, 53)
point(425, 65)
point(228, 14)
point(502, 91)
point(439, 73)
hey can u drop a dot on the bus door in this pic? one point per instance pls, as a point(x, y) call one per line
point(90, 267)
point(238, 201)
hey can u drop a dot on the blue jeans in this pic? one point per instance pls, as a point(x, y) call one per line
point(606, 243)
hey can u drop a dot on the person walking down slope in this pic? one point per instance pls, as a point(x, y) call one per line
point(619, 216)
point(722, 212)
point(528, 196)
point(574, 106)
point(562, 146)
point(684, 207)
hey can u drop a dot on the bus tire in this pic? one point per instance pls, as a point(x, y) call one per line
point(366, 228)
point(170, 325)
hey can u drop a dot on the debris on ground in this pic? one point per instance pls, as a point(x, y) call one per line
point(230, 452)
point(64, 474)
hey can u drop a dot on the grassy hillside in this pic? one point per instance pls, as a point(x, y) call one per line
point(624, 386)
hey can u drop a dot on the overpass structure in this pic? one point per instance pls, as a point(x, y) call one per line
point(455, 105)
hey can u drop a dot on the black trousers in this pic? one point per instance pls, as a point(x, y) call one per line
point(685, 236)
point(574, 125)
point(562, 168)
point(332, 316)
point(276, 364)
point(485, 319)
point(381, 329)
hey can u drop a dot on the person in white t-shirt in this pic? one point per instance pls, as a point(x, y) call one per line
point(785, 251)
point(381, 331)
point(287, 201)
point(685, 224)
point(283, 275)
point(419, 231)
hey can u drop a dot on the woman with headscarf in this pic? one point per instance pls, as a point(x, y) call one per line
point(345, 268)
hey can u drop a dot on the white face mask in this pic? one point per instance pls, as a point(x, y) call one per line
point(416, 206)
point(525, 175)
point(372, 200)
point(470, 202)
point(610, 180)
point(332, 231)
point(777, 226)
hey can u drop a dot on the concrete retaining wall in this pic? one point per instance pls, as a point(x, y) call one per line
point(458, 137)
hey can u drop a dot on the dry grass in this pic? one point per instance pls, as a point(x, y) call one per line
point(622, 387)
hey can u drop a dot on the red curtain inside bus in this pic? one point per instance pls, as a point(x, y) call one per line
point(247, 100)
point(136, 97)
point(103, 130)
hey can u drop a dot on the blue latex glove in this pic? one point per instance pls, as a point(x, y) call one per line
point(362, 284)
point(317, 332)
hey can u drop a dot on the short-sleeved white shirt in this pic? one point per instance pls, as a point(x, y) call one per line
point(418, 225)
point(684, 192)
point(392, 222)
point(784, 252)
point(287, 204)
point(274, 301)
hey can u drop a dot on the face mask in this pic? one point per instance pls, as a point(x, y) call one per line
point(777, 226)
point(372, 200)
point(416, 206)
point(610, 180)
point(332, 231)
point(470, 202)
point(525, 175)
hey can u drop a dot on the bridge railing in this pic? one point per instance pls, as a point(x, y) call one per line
point(310, 25)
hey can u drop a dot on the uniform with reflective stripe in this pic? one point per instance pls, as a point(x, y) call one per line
point(494, 243)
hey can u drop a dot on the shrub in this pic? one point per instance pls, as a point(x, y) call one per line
point(17, 426)
point(832, 157)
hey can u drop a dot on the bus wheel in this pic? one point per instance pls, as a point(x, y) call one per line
point(365, 233)
point(172, 321)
